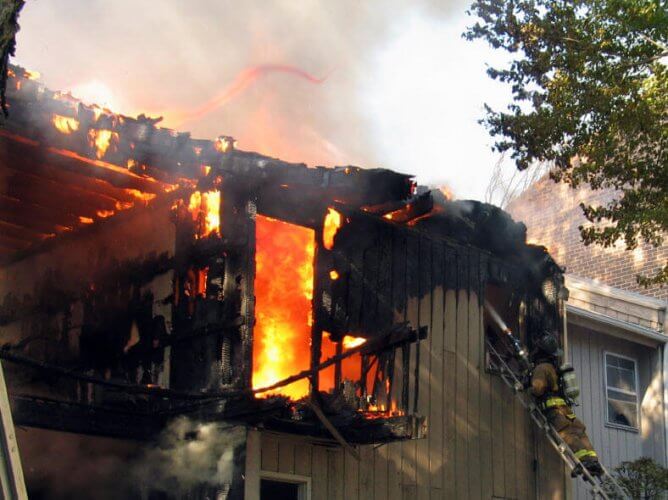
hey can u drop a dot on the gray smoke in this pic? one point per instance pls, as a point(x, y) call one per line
point(166, 55)
point(188, 456)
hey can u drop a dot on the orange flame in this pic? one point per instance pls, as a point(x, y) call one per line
point(447, 192)
point(65, 124)
point(333, 221)
point(85, 220)
point(333, 274)
point(283, 293)
point(101, 139)
point(103, 214)
point(205, 210)
point(223, 144)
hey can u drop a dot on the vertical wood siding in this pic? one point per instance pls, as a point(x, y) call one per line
point(479, 442)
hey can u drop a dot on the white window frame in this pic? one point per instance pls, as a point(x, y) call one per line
point(608, 423)
point(304, 482)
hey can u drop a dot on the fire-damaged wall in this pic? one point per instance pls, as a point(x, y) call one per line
point(94, 300)
point(479, 440)
point(94, 303)
point(257, 319)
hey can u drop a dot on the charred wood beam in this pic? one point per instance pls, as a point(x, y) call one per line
point(75, 374)
point(30, 165)
point(85, 230)
point(357, 430)
point(413, 209)
point(351, 185)
point(66, 416)
point(53, 197)
point(12, 244)
point(19, 233)
point(332, 429)
point(399, 335)
point(47, 216)
point(72, 162)
point(26, 183)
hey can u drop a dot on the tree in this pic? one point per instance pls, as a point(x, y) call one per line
point(503, 188)
point(590, 97)
point(642, 479)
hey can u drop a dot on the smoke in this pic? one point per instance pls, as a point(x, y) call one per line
point(61, 466)
point(162, 56)
point(240, 83)
point(190, 455)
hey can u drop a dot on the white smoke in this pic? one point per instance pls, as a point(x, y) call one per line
point(189, 455)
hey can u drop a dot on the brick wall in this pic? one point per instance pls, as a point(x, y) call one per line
point(552, 214)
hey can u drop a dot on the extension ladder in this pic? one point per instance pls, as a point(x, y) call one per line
point(596, 484)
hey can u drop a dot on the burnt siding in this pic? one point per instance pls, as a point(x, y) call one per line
point(479, 440)
point(614, 445)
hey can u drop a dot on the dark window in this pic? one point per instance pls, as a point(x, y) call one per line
point(621, 391)
point(279, 490)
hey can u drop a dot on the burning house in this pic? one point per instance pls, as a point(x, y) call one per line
point(183, 319)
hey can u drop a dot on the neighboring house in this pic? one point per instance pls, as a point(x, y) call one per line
point(617, 329)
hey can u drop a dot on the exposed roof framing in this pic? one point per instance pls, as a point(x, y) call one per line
point(65, 165)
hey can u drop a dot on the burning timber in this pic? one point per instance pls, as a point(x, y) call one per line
point(312, 313)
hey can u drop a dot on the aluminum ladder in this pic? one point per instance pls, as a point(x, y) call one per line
point(501, 368)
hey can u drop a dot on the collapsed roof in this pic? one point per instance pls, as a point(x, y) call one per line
point(66, 165)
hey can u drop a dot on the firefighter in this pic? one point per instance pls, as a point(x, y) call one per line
point(545, 387)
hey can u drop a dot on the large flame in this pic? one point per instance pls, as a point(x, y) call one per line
point(205, 210)
point(333, 221)
point(283, 293)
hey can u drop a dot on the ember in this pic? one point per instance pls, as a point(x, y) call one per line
point(350, 342)
point(283, 291)
point(141, 196)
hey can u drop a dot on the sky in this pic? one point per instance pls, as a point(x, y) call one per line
point(400, 88)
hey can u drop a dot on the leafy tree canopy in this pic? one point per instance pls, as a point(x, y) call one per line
point(590, 97)
point(642, 479)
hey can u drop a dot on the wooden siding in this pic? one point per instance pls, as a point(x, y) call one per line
point(479, 442)
point(614, 445)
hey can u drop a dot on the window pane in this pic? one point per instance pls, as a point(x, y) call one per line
point(627, 380)
point(620, 373)
point(621, 376)
point(621, 396)
point(622, 413)
point(612, 376)
point(273, 490)
point(626, 364)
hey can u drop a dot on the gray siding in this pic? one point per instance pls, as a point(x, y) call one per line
point(615, 445)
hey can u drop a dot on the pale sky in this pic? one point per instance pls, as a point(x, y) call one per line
point(403, 90)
